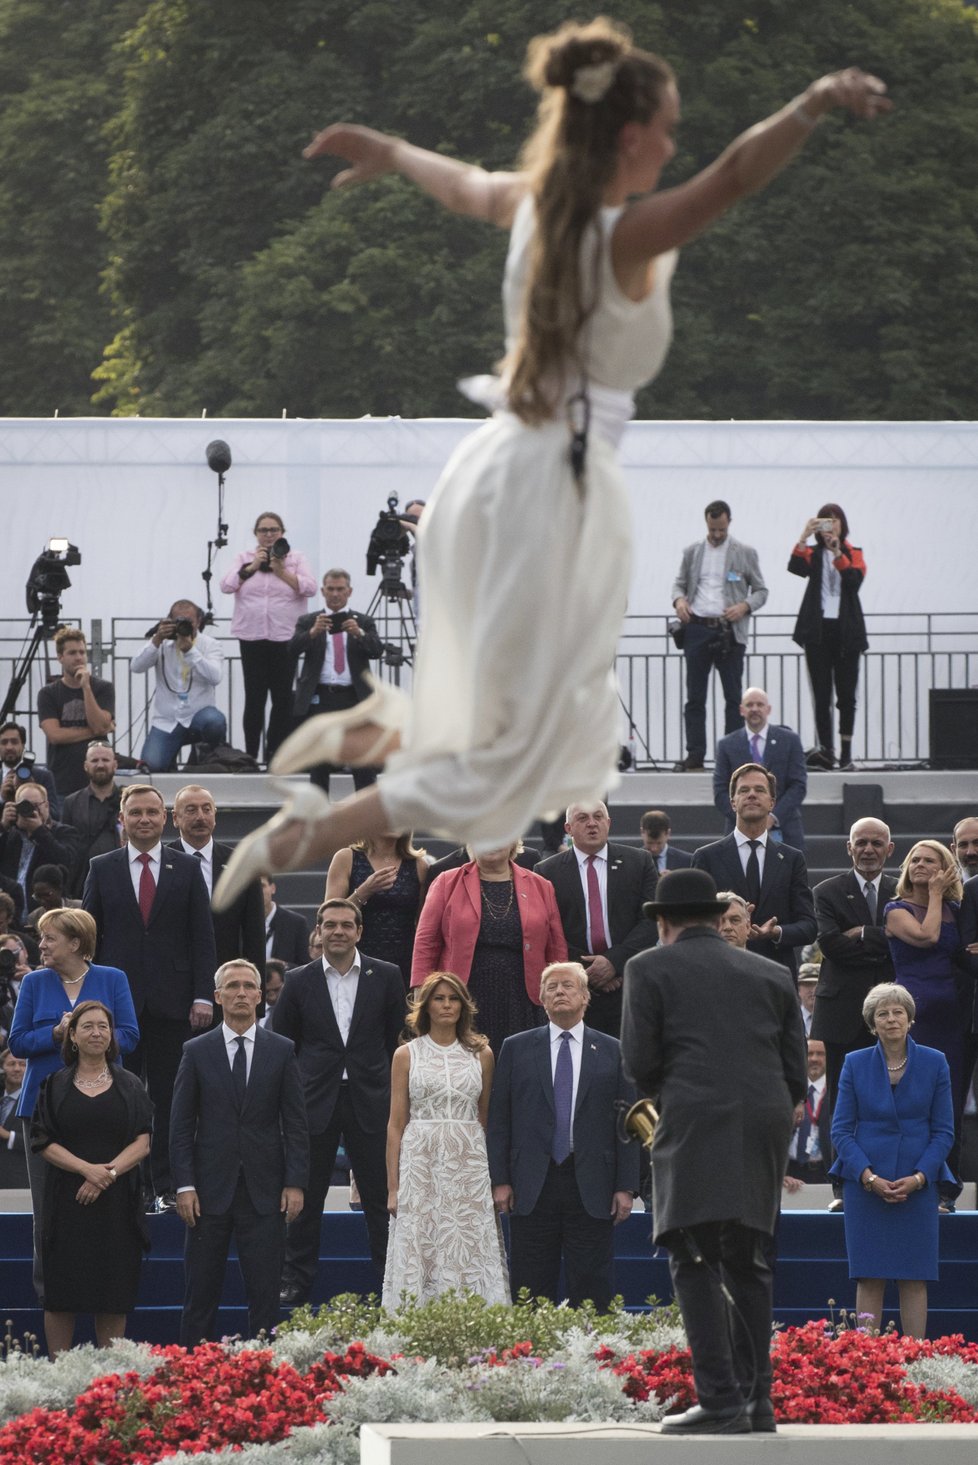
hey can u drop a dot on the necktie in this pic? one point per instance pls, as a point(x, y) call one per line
point(753, 873)
point(239, 1072)
point(147, 889)
point(870, 894)
point(7, 1106)
point(339, 652)
point(563, 1088)
point(805, 1127)
point(755, 748)
point(599, 937)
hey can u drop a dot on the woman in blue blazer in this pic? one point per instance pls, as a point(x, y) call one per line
point(892, 1128)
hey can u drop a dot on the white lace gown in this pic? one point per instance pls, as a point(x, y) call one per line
point(446, 1233)
point(524, 583)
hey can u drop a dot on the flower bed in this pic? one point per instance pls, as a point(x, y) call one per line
point(306, 1394)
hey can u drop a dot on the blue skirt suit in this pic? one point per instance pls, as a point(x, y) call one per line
point(895, 1130)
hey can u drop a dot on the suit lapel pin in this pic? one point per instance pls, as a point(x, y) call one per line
point(594, 1047)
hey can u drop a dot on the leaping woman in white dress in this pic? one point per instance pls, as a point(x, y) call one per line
point(524, 548)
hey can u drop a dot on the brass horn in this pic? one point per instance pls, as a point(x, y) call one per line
point(640, 1122)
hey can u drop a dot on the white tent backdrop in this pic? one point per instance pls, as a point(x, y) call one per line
point(138, 499)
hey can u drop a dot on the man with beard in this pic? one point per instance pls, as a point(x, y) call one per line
point(14, 771)
point(93, 811)
point(239, 931)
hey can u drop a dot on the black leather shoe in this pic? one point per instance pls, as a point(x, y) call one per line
point(688, 765)
point(698, 1420)
point(761, 1415)
point(820, 759)
point(292, 1295)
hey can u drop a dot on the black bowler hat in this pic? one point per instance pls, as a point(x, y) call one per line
point(685, 892)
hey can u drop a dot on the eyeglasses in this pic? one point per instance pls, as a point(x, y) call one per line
point(269, 529)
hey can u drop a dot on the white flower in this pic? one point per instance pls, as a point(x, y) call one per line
point(591, 83)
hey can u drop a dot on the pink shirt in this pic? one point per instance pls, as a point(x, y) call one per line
point(265, 607)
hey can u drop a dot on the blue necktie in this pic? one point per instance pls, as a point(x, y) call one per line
point(563, 1089)
point(239, 1072)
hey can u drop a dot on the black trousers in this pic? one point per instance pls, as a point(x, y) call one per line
point(156, 1058)
point(337, 699)
point(368, 1160)
point(559, 1226)
point(261, 1244)
point(731, 1348)
point(704, 649)
point(828, 665)
point(267, 671)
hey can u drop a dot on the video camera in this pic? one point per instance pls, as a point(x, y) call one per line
point(389, 542)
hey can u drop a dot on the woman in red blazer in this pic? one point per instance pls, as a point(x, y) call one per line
point(496, 926)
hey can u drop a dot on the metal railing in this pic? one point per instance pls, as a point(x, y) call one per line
point(909, 655)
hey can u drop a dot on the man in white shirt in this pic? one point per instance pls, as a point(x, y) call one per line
point(345, 1070)
point(558, 1166)
point(810, 1150)
point(807, 982)
point(189, 667)
point(239, 931)
point(771, 746)
point(718, 587)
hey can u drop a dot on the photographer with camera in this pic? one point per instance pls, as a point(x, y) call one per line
point(189, 665)
point(830, 628)
point(29, 838)
point(271, 585)
point(337, 645)
point(73, 710)
point(718, 587)
point(18, 766)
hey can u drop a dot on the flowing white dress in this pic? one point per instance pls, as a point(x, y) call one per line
point(446, 1234)
point(524, 582)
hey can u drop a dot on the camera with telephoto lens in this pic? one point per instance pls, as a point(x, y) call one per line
point(278, 551)
point(389, 541)
point(23, 772)
point(181, 628)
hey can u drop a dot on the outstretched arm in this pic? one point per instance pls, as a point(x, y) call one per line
point(461, 187)
point(665, 220)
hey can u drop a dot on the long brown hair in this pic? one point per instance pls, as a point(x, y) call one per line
point(418, 1020)
point(571, 159)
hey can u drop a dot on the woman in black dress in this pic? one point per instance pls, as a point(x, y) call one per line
point(92, 1124)
point(385, 876)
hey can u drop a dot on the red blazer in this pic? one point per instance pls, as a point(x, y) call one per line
point(448, 928)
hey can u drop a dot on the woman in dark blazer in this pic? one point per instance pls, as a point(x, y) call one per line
point(892, 1128)
point(830, 627)
point(496, 926)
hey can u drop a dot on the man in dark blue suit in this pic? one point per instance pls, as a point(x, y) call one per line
point(154, 922)
point(345, 1014)
point(239, 1151)
point(778, 748)
point(655, 829)
point(771, 877)
point(557, 1164)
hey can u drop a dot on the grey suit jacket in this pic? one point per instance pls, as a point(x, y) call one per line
point(747, 582)
point(714, 1034)
point(520, 1132)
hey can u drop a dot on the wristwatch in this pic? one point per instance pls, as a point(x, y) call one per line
point(868, 1183)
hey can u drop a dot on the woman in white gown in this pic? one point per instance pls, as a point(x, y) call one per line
point(444, 1230)
point(524, 547)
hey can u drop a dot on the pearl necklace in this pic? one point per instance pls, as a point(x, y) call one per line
point(895, 1067)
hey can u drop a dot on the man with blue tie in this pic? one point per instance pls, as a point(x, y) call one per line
point(559, 1169)
point(778, 748)
point(655, 829)
point(239, 1151)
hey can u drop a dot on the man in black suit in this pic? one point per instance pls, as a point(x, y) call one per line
point(337, 646)
point(713, 1036)
point(93, 811)
point(778, 748)
point(600, 889)
point(240, 930)
point(558, 1165)
point(655, 829)
point(154, 923)
point(855, 954)
point(344, 1014)
point(286, 932)
point(810, 1151)
point(13, 1156)
point(29, 838)
point(771, 877)
point(239, 1152)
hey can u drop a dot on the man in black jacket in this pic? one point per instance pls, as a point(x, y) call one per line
point(29, 838)
point(600, 889)
point(337, 646)
point(286, 932)
point(239, 931)
point(93, 811)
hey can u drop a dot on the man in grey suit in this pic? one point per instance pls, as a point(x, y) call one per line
point(771, 877)
point(600, 888)
point(718, 587)
point(778, 748)
point(239, 1151)
point(713, 1036)
point(558, 1166)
